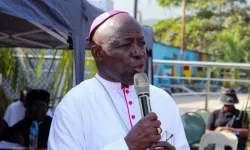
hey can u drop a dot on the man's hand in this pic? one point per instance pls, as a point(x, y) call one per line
point(219, 129)
point(144, 134)
point(164, 146)
point(227, 129)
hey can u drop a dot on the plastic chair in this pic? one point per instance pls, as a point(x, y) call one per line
point(220, 139)
point(194, 127)
point(205, 114)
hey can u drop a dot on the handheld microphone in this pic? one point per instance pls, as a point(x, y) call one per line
point(142, 90)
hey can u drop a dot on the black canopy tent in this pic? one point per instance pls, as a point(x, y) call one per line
point(48, 24)
point(16, 32)
point(57, 24)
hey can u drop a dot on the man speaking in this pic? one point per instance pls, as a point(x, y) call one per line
point(103, 113)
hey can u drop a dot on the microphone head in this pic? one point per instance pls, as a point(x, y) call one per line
point(141, 83)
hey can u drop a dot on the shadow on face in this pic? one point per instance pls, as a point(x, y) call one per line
point(228, 107)
point(37, 110)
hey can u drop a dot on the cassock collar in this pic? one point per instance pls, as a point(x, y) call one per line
point(113, 85)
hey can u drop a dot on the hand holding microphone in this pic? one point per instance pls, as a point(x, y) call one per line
point(143, 135)
point(146, 133)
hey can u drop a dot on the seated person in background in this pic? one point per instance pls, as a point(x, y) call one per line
point(229, 118)
point(37, 106)
point(16, 111)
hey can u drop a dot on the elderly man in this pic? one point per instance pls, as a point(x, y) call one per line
point(16, 111)
point(104, 112)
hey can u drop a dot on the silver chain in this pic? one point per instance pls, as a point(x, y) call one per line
point(113, 104)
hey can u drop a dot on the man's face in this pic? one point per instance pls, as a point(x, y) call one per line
point(23, 97)
point(124, 53)
point(228, 107)
point(39, 109)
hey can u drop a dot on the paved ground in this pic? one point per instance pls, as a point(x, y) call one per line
point(192, 103)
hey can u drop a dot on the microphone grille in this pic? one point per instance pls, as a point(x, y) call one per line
point(141, 83)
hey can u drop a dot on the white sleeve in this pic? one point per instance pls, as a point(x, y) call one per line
point(179, 140)
point(180, 137)
point(119, 144)
point(7, 116)
point(67, 129)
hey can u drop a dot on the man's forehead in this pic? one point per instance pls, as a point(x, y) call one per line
point(25, 92)
point(127, 30)
point(119, 27)
point(127, 36)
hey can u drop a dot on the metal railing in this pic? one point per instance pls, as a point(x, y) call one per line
point(208, 66)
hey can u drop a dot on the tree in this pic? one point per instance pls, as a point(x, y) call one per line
point(206, 23)
point(55, 74)
point(219, 27)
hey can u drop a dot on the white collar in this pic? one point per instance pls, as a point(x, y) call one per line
point(111, 85)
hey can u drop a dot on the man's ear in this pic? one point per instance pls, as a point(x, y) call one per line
point(96, 51)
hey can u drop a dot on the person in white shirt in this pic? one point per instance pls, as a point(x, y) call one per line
point(103, 113)
point(16, 111)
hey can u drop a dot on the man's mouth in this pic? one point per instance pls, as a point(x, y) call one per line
point(140, 68)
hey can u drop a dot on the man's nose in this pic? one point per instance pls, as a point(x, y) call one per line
point(139, 52)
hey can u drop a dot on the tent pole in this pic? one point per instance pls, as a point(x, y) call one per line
point(79, 57)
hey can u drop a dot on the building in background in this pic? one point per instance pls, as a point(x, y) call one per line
point(103, 4)
point(165, 52)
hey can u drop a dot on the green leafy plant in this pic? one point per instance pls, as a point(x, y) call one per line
point(53, 72)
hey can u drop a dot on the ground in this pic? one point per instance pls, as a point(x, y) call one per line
point(192, 103)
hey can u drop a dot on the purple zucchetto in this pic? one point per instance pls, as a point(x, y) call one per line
point(100, 20)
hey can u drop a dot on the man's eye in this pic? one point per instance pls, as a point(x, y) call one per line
point(125, 45)
point(142, 43)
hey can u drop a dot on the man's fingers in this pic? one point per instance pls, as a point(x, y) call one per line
point(151, 116)
point(165, 145)
point(156, 123)
point(151, 131)
point(155, 138)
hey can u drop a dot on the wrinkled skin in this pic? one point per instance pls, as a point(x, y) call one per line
point(119, 53)
point(144, 134)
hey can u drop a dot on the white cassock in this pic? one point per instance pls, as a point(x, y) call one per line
point(87, 119)
point(16, 112)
